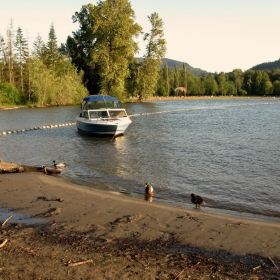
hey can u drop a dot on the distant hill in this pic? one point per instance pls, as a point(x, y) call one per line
point(267, 65)
point(171, 64)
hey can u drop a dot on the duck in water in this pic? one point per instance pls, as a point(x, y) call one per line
point(59, 164)
point(149, 189)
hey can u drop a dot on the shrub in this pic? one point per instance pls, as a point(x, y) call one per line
point(242, 92)
point(9, 94)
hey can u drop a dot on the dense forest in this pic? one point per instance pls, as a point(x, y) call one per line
point(237, 83)
point(100, 57)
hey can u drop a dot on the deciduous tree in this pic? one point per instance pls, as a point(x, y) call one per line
point(185, 78)
point(248, 82)
point(237, 77)
point(106, 36)
point(222, 83)
point(155, 51)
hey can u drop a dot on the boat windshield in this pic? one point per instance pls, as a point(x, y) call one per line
point(116, 113)
point(98, 114)
point(109, 104)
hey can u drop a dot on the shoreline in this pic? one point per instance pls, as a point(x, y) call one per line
point(178, 98)
point(188, 206)
point(21, 192)
point(162, 98)
point(85, 232)
point(9, 168)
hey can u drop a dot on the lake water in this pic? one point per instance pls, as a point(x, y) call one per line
point(226, 151)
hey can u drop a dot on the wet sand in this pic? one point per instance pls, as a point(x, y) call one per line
point(85, 232)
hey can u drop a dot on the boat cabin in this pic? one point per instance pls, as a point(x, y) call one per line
point(102, 106)
point(100, 101)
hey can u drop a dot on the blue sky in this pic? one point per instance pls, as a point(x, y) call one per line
point(214, 35)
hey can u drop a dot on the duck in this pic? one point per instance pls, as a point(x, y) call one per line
point(149, 188)
point(60, 164)
point(50, 170)
point(197, 200)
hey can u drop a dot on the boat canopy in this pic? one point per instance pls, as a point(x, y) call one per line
point(100, 101)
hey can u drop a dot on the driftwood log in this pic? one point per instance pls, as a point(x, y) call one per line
point(80, 263)
point(3, 243)
point(52, 212)
point(11, 167)
point(271, 260)
point(49, 199)
point(7, 220)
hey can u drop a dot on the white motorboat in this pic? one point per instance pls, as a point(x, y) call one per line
point(102, 115)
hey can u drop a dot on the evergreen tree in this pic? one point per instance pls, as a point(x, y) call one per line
point(10, 53)
point(3, 58)
point(21, 54)
point(39, 48)
point(51, 50)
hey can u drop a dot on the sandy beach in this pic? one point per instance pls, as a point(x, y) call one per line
point(89, 234)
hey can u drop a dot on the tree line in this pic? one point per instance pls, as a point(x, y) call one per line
point(100, 58)
point(41, 76)
point(235, 83)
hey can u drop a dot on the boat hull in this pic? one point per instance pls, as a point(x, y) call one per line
point(103, 127)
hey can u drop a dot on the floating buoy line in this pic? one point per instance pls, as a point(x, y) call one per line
point(37, 127)
point(143, 114)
